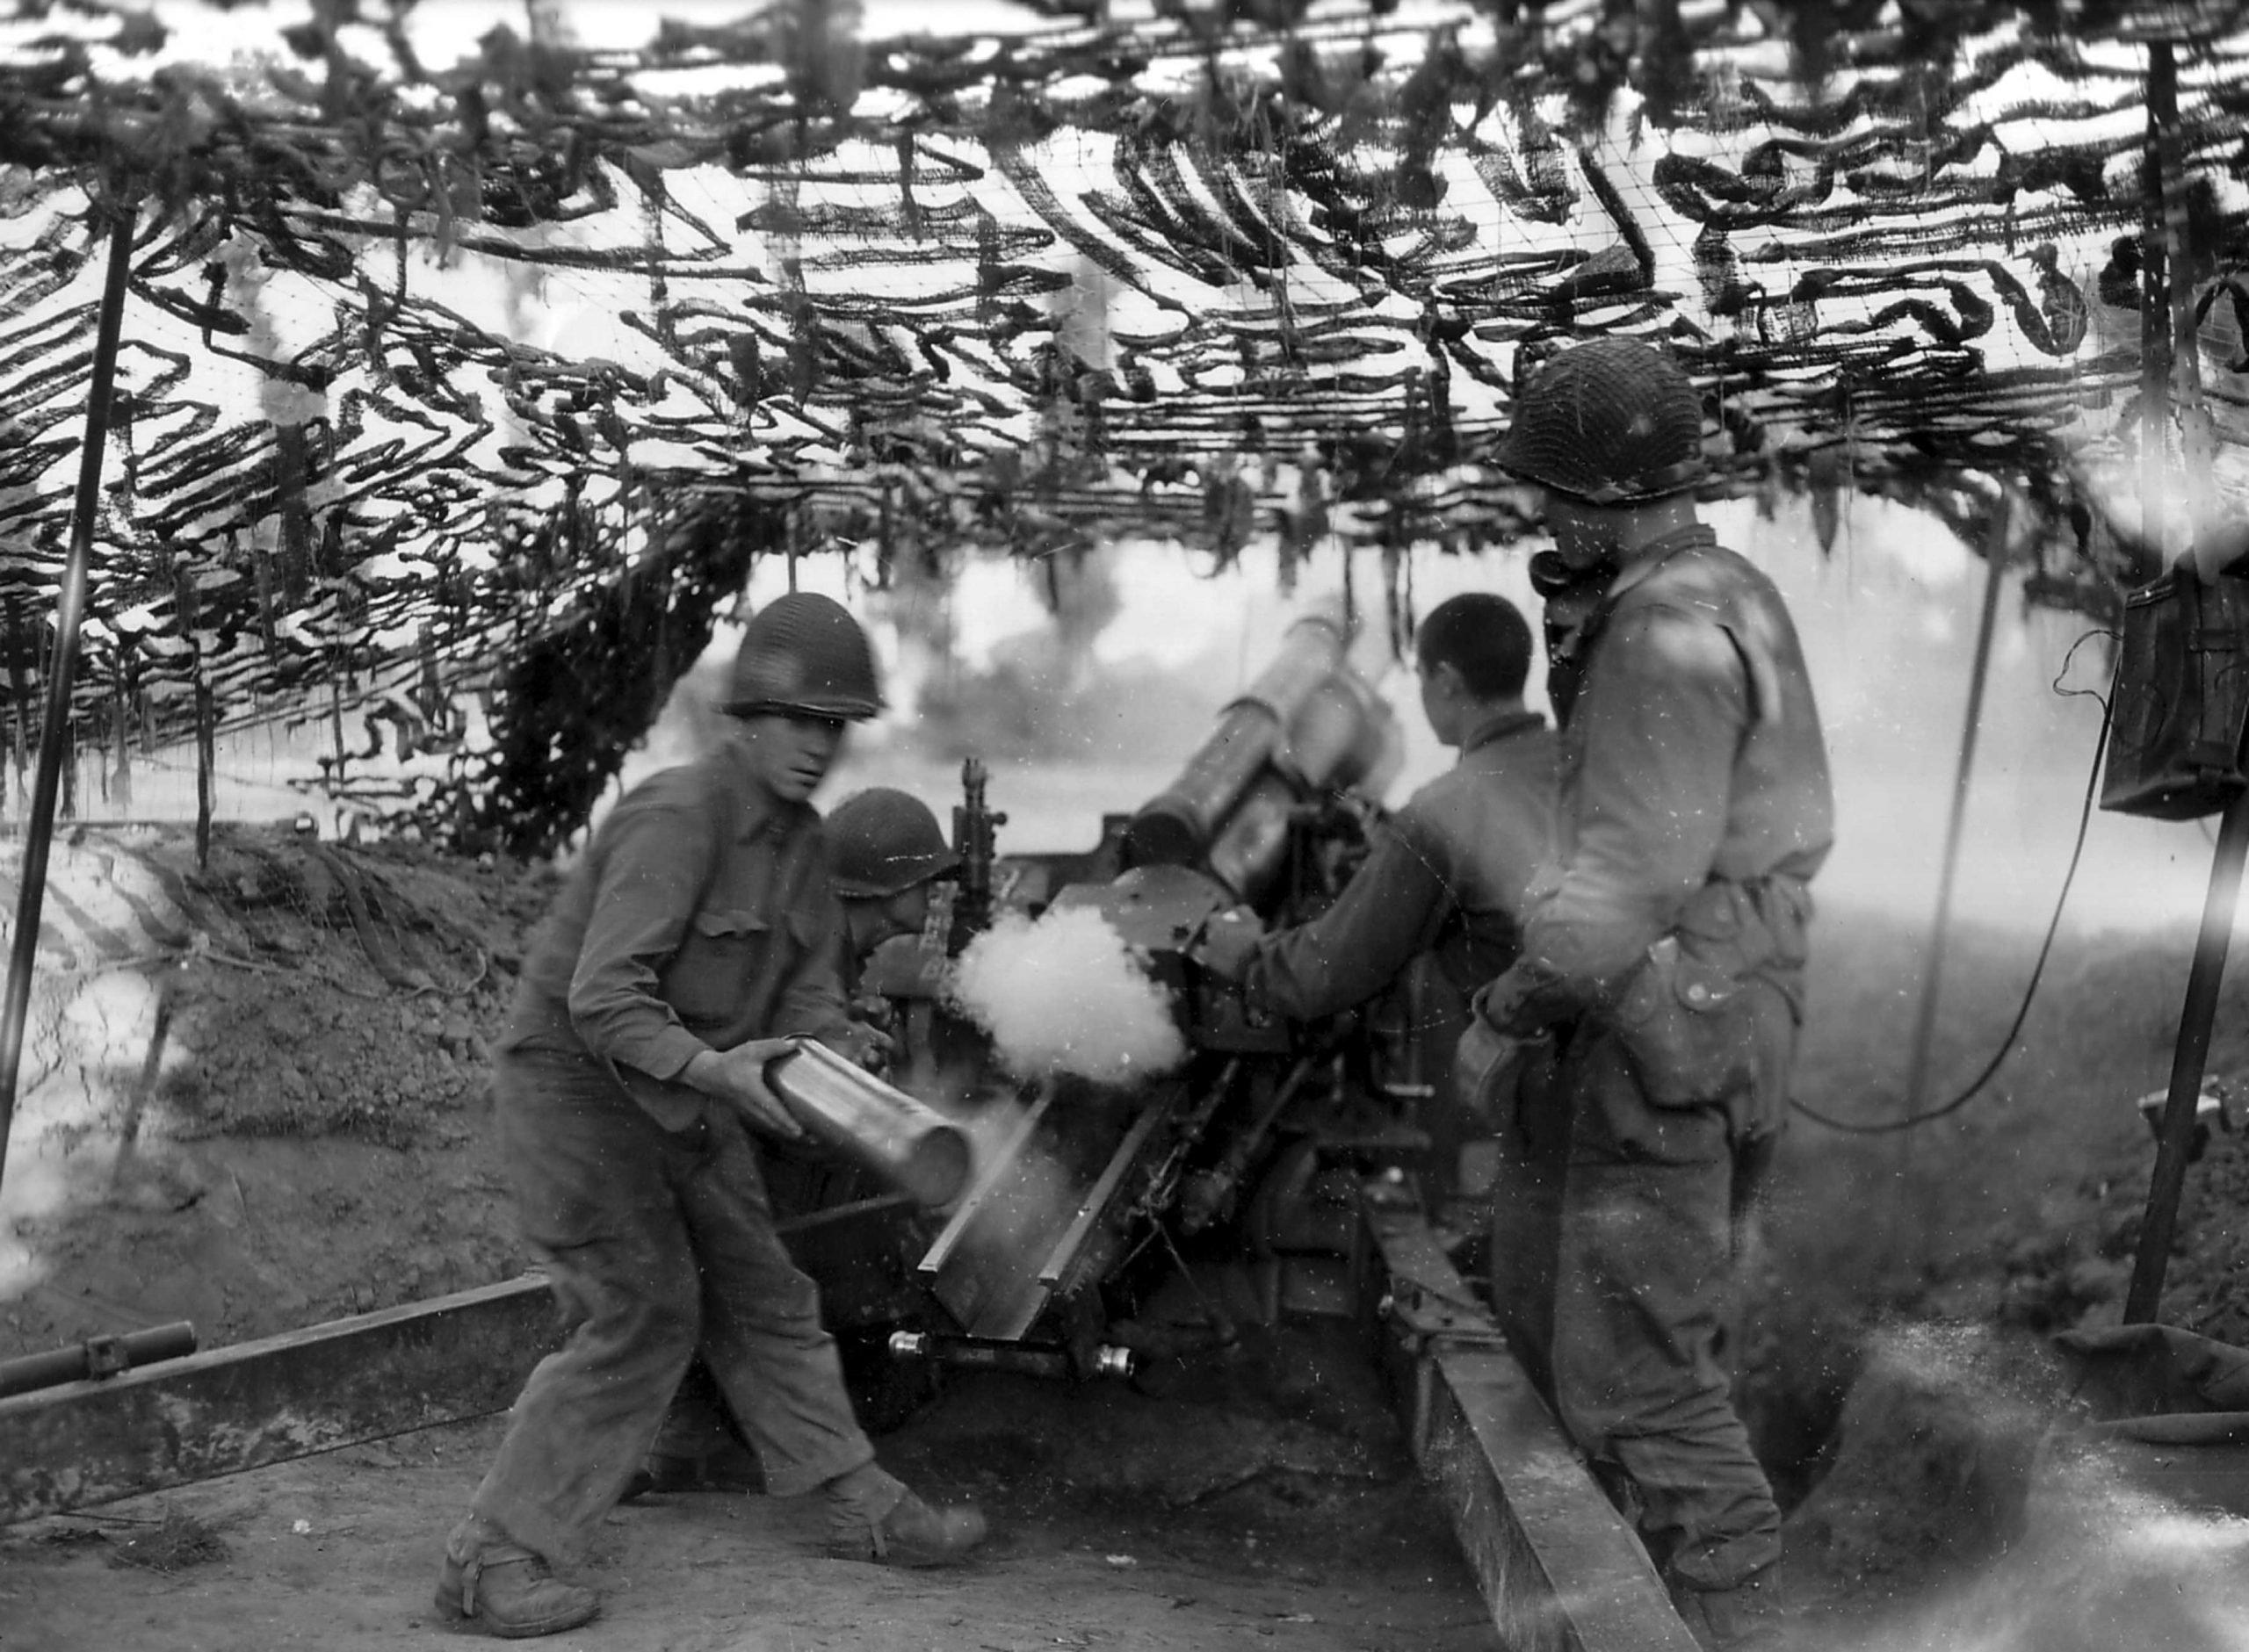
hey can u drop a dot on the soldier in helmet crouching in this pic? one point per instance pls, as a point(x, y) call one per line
point(887, 849)
point(1668, 954)
point(697, 934)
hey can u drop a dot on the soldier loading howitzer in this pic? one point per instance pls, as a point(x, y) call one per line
point(1436, 911)
point(877, 1159)
point(1086, 1190)
point(691, 946)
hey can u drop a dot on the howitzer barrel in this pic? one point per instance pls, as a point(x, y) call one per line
point(1177, 826)
point(1309, 724)
point(874, 1124)
point(1343, 734)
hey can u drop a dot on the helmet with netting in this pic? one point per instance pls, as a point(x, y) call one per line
point(1613, 423)
point(804, 654)
point(881, 841)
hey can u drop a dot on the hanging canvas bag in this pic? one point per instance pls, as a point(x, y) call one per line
point(2180, 702)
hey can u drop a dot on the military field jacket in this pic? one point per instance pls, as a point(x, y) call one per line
point(1449, 874)
point(1693, 754)
point(700, 917)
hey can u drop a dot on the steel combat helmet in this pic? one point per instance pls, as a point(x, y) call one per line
point(804, 654)
point(882, 841)
point(1612, 422)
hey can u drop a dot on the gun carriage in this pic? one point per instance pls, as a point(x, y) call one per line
point(1086, 1197)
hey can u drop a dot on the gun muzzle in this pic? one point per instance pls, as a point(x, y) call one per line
point(1175, 827)
point(874, 1124)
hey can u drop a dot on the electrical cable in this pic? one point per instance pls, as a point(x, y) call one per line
point(2046, 947)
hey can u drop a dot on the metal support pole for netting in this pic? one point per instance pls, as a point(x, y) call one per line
point(1916, 1071)
point(63, 668)
point(2167, 318)
point(2189, 1055)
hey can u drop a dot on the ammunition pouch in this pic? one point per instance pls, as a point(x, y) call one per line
point(1692, 1024)
point(1685, 1028)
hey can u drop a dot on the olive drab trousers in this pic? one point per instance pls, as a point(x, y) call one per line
point(658, 1243)
point(1656, 1211)
point(1532, 1142)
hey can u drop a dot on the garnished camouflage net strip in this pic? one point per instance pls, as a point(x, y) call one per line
point(418, 363)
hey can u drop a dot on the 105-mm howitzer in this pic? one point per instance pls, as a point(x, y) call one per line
point(1085, 1196)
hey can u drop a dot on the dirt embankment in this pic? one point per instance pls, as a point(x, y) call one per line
point(254, 1090)
point(1899, 1376)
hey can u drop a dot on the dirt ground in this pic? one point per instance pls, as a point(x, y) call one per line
point(254, 1098)
point(1271, 1505)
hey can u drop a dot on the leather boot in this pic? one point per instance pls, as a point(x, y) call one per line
point(872, 1517)
point(502, 1588)
point(1750, 1617)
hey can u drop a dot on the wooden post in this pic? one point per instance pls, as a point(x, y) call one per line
point(1917, 1078)
point(207, 760)
point(62, 668)
point(2189, 1055)
point(2167, 340)
point(122, 729)
point(2155, 304)
point(336, 717)
point(19, 747)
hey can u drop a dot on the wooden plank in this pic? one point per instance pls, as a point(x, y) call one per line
point(1559, 1570)
point(257, 1402)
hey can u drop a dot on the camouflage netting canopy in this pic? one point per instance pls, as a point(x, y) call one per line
point(511, 365)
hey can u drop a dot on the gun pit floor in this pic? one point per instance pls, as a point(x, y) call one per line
point(1267, 1502)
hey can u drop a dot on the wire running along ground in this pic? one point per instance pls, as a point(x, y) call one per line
point(2046, 947)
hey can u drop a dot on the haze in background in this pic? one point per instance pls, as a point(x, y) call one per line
point(1091, 710)
point(1888, 620)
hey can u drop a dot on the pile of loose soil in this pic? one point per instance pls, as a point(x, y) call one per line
point(256, 1087)
point(1896, 1378)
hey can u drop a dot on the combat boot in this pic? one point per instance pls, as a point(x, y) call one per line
point(499, 1588)
point(1750, 1617)
point(872, 1517)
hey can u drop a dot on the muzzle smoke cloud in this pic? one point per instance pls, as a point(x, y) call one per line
point(1064, 995)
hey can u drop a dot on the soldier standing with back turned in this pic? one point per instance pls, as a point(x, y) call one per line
point(1695, 807)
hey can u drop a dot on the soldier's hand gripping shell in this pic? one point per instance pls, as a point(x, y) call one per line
point(866, 1045)
point(737, 1077)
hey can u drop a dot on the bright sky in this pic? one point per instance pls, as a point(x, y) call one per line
point(444, 30)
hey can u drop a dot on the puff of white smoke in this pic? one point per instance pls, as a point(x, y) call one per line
point(1064, 994)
